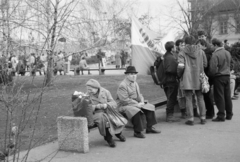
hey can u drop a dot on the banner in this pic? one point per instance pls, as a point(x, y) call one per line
point(146, 46)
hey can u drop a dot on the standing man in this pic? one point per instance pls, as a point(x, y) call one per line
point(132, 105)
point(43, 59)
point(32, 62)
point(100, 56)
point(118, 60)
point(220, 72)
point(192, 61)
point(170, 82)
point(208, 97)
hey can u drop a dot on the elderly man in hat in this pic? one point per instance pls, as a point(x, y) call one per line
point(132, 105)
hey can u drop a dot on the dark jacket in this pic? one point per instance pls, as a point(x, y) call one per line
point(220, 63)
point(208, 52)
point(170, 68)
point(194, 61)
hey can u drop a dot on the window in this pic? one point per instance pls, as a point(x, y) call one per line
point(223, 27)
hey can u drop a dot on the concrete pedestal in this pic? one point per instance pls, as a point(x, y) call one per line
point(73, 134)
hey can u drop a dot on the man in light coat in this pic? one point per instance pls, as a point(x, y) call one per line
point(132, 105)
point(220, 72)
point(191, 63)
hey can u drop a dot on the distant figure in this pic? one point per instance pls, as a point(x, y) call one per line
point(43, 59)
point(126, 55)
point(21, 68)
point(118, 60)
point(123, 58)
point(14, 62)
point(83, 65)
point(100, 56)
point(60, 62)
point(32, 63)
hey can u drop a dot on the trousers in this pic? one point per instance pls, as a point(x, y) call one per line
point(138, 120)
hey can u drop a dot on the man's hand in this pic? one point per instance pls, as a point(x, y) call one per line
point(104, 106)
point(140, 104)
point(101, 106)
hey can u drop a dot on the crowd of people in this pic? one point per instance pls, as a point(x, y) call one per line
point(183, 68)
point(19, 65)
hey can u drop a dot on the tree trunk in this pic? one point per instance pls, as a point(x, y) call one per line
point(49, 74)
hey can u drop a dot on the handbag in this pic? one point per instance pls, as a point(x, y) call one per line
point(205, 87)
point(115, 117)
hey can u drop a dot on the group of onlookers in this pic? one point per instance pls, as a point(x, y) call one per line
point(184, 67)
point(36, 63)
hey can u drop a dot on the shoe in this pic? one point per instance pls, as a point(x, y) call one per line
point(228, 118)
point(152, 130)
point(217, 119)
point(121, 137)
point(234, 98)
point(111, 143)
point(209, 117)
point(195, 112)
point(139, 135)
point(203, 121)
point(189, 122)
point(171, 119)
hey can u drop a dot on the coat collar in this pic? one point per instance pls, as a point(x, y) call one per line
point(218, 49)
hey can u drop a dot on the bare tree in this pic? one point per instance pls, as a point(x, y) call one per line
point(194, 15)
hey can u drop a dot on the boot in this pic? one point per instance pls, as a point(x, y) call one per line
point(195, 112)
point(171, 118)
point(109, 139)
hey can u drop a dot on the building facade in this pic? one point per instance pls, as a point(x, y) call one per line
point(219, 18)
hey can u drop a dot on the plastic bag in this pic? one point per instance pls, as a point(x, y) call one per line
point(205, 87)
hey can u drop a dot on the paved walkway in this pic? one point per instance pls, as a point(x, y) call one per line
point(213, 142)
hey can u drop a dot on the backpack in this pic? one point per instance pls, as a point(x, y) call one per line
point(158, 72)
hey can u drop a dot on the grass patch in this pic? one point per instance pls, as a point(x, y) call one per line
point(57, 101)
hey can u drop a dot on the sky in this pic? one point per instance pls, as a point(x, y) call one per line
point(161, 11)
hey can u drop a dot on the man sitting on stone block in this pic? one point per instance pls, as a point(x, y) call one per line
point(101, 100)
point(131, 104)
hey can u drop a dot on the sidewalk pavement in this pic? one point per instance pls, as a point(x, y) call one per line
point(213, 142)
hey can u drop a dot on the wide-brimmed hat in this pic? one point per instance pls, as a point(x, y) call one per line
point(131, 69)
